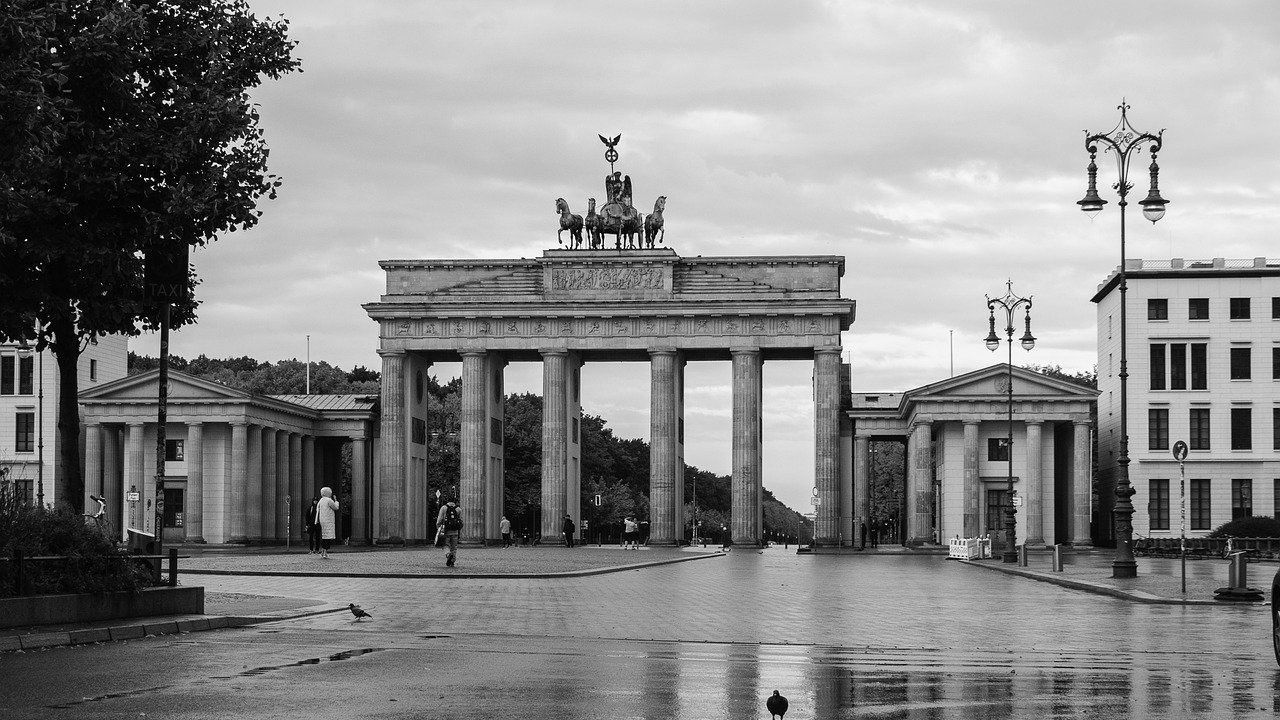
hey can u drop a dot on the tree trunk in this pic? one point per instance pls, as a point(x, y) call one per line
point(69, 484)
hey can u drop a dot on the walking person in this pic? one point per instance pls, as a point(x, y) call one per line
point(630, 529)
point(568, 528)
point(327, 519)
point(875, 536)
point(505, 528)
point(863, 532)
point(312, 527)
point(450, 522)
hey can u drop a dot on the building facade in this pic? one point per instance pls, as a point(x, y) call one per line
point(30, 457)
point(1204, 368)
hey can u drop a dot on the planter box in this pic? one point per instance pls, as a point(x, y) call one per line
point(91, 607)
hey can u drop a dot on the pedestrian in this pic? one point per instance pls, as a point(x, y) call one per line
point(630, 530)
point(312, 527)
point(327, 519)
point(863, 532)
point(450, 521)
point(505, 528)
point(567, 528)
point(875, 536)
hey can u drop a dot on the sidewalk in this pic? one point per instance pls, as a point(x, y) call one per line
point(1159, 580)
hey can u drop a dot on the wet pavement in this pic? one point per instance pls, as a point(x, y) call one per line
point(841, 636)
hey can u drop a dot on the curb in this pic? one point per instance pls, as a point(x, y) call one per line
point(153, 627)
point(1100, 589)
point(459, 575)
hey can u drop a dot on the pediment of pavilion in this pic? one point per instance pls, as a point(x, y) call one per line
point(984, 394)
point(145, 386)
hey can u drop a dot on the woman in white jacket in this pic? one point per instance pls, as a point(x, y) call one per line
point(327, 514)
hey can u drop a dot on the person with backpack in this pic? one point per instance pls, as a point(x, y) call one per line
point(568, 528)
point(450, 521)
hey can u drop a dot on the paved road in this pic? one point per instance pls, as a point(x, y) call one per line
point(895, 637)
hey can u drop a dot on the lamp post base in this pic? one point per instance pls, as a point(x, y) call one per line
point(1009, 556)
point(1124, 569)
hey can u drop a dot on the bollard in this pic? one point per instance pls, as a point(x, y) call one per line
point(1057, 557)
point(1237, 589)
point(1022, 555)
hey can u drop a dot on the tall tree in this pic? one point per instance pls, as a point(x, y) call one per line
point(128, 130)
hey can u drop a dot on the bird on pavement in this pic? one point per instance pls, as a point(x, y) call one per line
point(358, 611)
point(776, 704)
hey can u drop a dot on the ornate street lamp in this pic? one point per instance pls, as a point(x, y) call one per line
point(1125, 142)
point(1009, 303)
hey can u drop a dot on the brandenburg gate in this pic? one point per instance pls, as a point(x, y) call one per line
point(571, 307)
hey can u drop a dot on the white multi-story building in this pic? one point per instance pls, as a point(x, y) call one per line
point(1204, 368)
point(29, 452)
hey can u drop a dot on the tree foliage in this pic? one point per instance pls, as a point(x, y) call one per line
point(285, 377)
point(127, 130)
point(1256, 526)
point(1083, 378)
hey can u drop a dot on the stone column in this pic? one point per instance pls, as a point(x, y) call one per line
point(308, 474)
point(848, 519)
point(861, 483)
point(1034, 486)
point(238, 487)
point(920, 468)
point(194, 520)
point(359, 491)
point(826, 438)
point(474, 445)
point(391, 461)
point(112, 479)
point(290, 514)
point(92, 465)
point(276, 487)
point(972, 481)
point(745, 501)
point(1081, 484)
point(663, 427)
point(262, 463)
point(555, 470)
point(135, 475)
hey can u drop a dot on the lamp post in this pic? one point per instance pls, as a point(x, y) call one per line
point(1009, 303)
point(1125, 142)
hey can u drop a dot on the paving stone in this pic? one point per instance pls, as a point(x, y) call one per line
point(38, 640)
point(90, 635)
point(161, 628)
point(127, 632)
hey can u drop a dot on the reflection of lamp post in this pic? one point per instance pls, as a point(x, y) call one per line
point(1009, 303)
point(1125, 141)
point(25, 350)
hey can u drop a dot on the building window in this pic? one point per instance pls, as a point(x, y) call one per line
point(1158, 504)
point(1178, 366)
point(418, 431)
point(997, 448)
point(997, 501)
point(1199, 428)
point(1157, 367)
point(495, 431)
point(1275, 308)
point(1158, 429)
point(24, 490)
point(1199, 366)
point(8, 365)
point(93, 369)
point(1241, 499)
point(24, 439)
point(576, 429)
point(1275, 497)
point(175, 450)
point(25, 375)
point(1275, 429)
point(1198, 309)
point(1157, 309)
point(1239, 308)
point(1200, 508)
point(1240, 357)
point(1241, 429)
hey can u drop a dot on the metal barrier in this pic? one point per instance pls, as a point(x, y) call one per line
point(1057, 557)
point(1207, 547)
point(1238, 589)
point(19, 563)
point(966, 548)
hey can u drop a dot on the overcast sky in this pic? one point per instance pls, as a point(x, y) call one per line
point(937, 146)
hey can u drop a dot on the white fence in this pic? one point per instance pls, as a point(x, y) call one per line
point(970, 548)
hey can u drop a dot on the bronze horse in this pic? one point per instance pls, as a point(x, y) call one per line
point(591, 223)
point(570, 222)
point(653, 229)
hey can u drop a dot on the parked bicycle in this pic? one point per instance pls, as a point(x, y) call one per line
point(99, 521)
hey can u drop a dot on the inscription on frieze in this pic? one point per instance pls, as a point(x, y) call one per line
point(627, 278)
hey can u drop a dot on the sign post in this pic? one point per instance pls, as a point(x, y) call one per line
point(1180, 454)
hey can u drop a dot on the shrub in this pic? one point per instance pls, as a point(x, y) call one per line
point(92, 562)
point(1259, 526)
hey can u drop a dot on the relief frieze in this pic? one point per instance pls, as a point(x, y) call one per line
point(443, 329)
point(626, 278)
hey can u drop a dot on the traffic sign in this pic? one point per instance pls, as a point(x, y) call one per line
point(132, 497)
point(1179, 451)
point(815, 500)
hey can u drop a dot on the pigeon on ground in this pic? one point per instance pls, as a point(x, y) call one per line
point(358, 611)
point(776, 704)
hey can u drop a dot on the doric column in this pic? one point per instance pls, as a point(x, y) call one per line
point(194, 519)
point(135, 476)
point(826, 440)
point(861, 483)
point(1081, 484)
point(359, 491)
point(1034, 488)
point(920, 476)
point(113, 479)
point(745, 501)
point(663, 427)
point(391, 461)
point(262, 464)
point(308, 477)
point(555, 471)
point(241, 462)
point(92, 465)
point(292, 510)
point(972, 479)
point(848, 519)
point(275, 488)
point(474, 445)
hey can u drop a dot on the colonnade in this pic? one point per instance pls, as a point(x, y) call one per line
point(481, 487)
